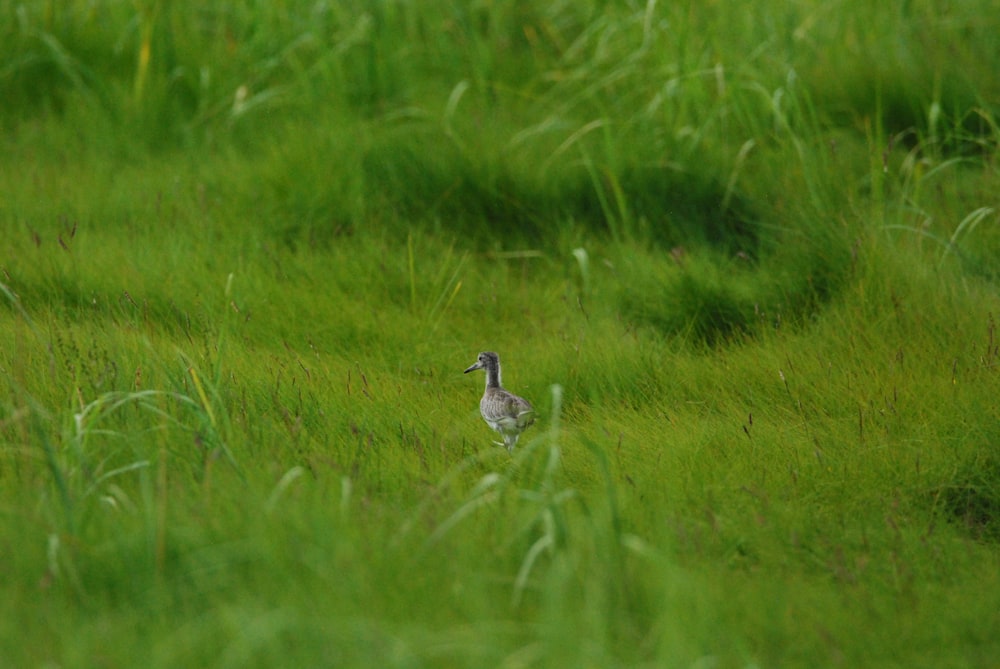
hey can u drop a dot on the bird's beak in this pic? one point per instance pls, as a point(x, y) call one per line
point(476, 366)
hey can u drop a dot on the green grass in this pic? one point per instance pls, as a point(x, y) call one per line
point(743, 260)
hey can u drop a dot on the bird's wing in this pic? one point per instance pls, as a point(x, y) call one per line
point(525, 418)
point(521, 411)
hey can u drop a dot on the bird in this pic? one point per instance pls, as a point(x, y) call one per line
point(502, 410)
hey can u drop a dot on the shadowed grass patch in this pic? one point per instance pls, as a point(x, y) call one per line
point(972, 498)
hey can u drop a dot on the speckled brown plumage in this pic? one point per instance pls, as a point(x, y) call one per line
point(502, 410)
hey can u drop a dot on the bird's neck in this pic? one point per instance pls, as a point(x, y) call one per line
point(493, 377)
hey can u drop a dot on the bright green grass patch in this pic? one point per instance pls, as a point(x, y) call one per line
point(250, 251)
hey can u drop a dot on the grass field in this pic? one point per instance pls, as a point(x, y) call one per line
point(743, 258)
